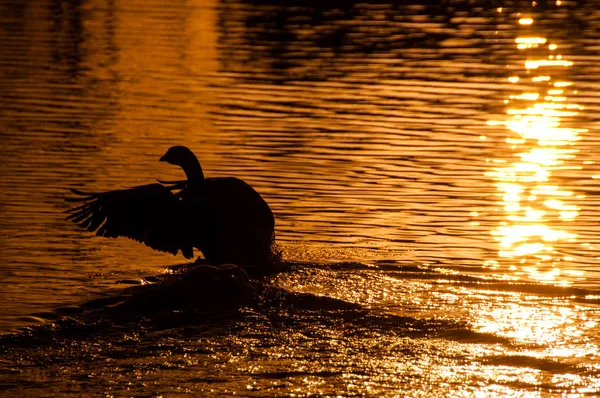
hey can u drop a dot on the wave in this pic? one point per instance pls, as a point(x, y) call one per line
point(190, 295)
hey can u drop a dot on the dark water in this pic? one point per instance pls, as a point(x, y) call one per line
point(431, 166)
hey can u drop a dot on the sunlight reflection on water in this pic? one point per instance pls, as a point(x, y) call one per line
point(377, 133)
point(536, 207)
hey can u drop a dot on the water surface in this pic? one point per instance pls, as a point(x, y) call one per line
point(442, 154)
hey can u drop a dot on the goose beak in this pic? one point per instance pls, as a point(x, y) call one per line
point(163, 158)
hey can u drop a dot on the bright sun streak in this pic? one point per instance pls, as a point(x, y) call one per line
point(536, 209)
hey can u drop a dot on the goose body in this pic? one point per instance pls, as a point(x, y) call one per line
point(224, 217)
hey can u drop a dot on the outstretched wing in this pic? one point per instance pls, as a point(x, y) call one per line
point(150, 214)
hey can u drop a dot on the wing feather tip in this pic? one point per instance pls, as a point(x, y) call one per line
point(81, 196)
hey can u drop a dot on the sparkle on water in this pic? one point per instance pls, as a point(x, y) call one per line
point(429, 164)
point(537, 211)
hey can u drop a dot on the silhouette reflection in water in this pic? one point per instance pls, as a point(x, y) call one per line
point(224, 217)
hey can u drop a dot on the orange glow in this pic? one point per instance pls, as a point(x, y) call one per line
point(535, 208)
point(528, 324)
point(535, 64)
point(562, 84)
point(529, 42)
point(541, 78)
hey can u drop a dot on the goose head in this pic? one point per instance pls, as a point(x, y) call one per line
point(183, 157)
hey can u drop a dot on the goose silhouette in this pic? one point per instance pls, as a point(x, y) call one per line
point(223, 217)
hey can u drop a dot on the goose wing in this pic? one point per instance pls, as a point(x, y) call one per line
point(150, 214)
point(237, 203)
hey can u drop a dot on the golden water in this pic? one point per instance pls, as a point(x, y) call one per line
point(452, 147)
